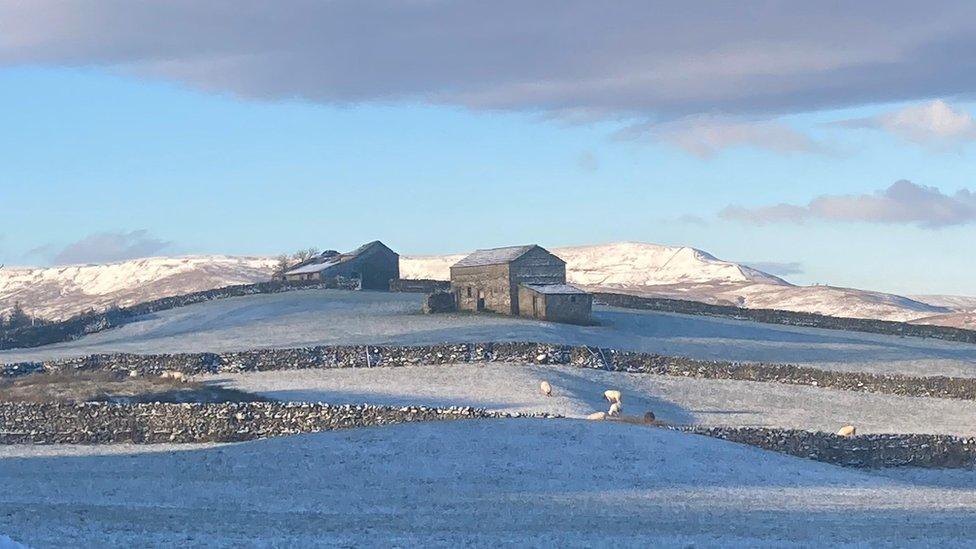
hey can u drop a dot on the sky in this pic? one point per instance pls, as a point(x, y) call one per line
point(827, 143)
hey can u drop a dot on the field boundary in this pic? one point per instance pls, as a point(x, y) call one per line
point(373, 356)
point(786, 318)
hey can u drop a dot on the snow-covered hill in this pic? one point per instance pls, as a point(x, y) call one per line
point(626, 267)
point(623, 264)
point(687, 273)
point(59, 292)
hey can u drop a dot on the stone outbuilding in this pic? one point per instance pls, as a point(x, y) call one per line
point(555, 302)
point(373, 264)
point(494, 280)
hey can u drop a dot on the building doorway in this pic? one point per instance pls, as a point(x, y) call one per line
point(481, 300)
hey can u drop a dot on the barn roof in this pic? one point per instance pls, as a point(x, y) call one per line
point(326, 260)
point(555, 289)
point(494, 256)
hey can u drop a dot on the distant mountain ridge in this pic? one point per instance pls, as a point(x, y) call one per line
point(626, 267)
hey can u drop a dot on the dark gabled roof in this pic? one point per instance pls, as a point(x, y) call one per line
point(326, 259)
point(496, 256)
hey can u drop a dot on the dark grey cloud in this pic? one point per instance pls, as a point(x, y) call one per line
point(778, 268)
point(575, 59)
point(104, 247)
point(903, 202)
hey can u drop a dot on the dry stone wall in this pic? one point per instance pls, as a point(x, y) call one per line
point(872, 451)
point(788, 318)
point(362, 356)
point(100, 423)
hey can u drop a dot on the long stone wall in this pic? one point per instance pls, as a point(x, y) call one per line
point(99, 423)
point(788, 318)
point(360, 356)
point(873, 451)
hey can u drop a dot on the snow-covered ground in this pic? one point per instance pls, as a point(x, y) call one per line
point(336, 317)
point(578, 392)
point(564, 483)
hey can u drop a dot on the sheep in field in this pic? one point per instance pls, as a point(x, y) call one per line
point(612, 396)
point(615, 409)
point(597, 416)
point(847, 431)
point(175, 376)
point(545, 388)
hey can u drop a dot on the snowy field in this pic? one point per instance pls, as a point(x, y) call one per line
point(578, 392)
point(559, 483)
point(335, 317)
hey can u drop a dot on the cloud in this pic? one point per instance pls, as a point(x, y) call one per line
point(691, 219)
point(704, 135)
point(934, 122)
point(778, 268)
point(104, 247)
point(903, 202)
point(661, 60)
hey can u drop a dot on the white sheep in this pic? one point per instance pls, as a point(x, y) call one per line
point(597, 416)
point(545, 388)
point(847, 431)
point(615, 409)
point(175, 376)
point(612, 396)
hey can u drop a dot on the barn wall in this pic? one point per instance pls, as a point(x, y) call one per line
point(572, 308)
point(525, 297)
point(537, 266)
point(490, 279)
point(375, 267)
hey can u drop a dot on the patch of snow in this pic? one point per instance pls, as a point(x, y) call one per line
point(528, 483)
point(577, 392)
point(7, 543)
point(323, 317)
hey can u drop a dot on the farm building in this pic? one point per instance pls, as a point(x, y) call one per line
point(555, 302)
point(495, 279)
point(373, 264)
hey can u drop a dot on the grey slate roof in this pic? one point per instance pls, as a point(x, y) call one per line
point(494, 256)
point(323, 262)
point(555, 289)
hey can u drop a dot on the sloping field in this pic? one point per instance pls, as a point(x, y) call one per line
point(578, 392)
point(316, 317)
point(472, 483)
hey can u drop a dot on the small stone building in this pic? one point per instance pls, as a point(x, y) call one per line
point(373, 264)
point(493, 279)
point(555, 302)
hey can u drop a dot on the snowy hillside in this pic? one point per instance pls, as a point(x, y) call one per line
point(623, 263)
point(626, 267)
point(59, 292)
point(687, 273)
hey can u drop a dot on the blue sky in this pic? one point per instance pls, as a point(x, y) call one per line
point(166, 162)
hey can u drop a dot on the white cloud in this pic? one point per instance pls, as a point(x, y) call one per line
point(933, 122)
point(704, 135)
point(903, 202)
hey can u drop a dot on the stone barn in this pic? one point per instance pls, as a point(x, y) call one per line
point(493, 280)
point(373, 264)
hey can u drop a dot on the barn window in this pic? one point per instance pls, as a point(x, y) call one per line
point(572, 299)
point(469, 291)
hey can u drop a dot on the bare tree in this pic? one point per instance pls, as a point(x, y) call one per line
point(281, 265)
point(307, 253)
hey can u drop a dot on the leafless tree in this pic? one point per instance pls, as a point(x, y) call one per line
point(307, 253)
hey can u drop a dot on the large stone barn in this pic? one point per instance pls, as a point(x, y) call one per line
point(496, 279)
point(373, 264)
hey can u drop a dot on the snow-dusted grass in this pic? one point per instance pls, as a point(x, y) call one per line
point(335, 317)
point(7, 543)
point(471, 483)
point(578, 392)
